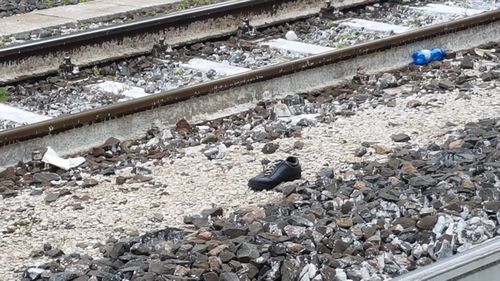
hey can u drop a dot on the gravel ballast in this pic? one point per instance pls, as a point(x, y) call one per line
point(57, 96)
point(398, 206)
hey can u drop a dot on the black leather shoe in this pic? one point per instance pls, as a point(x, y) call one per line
point(275, 173)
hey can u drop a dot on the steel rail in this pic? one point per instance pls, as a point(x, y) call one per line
point(479, 263)
point(64, 123)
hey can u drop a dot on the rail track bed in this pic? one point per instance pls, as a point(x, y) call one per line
point(427, 199)
point(202, 62)
point(400, 161)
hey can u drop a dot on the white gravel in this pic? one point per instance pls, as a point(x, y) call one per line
point(190, 184)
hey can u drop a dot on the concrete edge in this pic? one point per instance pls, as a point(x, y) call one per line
point(95, 19)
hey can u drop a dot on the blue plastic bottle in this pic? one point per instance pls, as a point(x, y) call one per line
point(422, 57)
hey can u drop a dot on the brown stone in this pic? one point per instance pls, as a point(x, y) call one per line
point(98, 151)
point(205, 235)
point(210, 276)
point(294, 247)
point(456, 144)
point(492, 206)
point(8, 174)
point(408, 168)
point(253, 214)
point(214, 262)
point(111, 143)
point(357, 231)
point(359, 185)
point(181, 271)
point(294, 197)
point(183, 126)
point(217, 250)
point(405, 222)
point(427, 223)
point(141, 178)
point(380, 149)
point(120, 180)
point(344, 222)
point(85, 197)
point(468, 184)
point(394, 181)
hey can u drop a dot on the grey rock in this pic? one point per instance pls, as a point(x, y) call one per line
point(36, 192)
point(328, 272)
point(160, 267)
point(45, 177)
point(252, 270)
point(234, 232)
point(209, 138)
point(400, 137)
point(359, 152)
point(54, 253)
point(270, 148)
point(140, 249)
point(213, 212)
point(422, 181)
point(467, 62)
point(64, 276)
point(51, 197)
point(387, 80)
point(89, 183)
point(247, 252)
point(299, 221)
point(446, 84)
point(118, 249)
point(259, 136)
point(389, 194)
point(298, 145)
point(226, 256)
point(211, 276)
point(33, 273)
point(44, 33)
point(413, 104)
point(304, 122)
point(229, 276)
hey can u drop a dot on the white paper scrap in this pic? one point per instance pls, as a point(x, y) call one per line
point(52, 158)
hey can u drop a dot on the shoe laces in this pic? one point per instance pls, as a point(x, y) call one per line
point(269, 168)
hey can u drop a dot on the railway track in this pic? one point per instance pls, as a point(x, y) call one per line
point(110, 43)
point(316, 67)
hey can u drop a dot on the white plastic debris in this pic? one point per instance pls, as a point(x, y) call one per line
point(52, 158)
point(292, 36)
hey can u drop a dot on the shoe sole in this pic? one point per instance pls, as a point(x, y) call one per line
point(260, 187)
